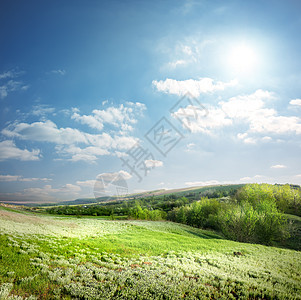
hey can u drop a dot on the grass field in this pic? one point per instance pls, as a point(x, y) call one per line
point(48, 257)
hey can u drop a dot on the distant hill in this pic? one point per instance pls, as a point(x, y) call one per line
point(203, 190)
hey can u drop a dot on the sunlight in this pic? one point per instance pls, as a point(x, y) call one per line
point(242, 59)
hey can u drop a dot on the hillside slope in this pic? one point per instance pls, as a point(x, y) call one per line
point(92, 258)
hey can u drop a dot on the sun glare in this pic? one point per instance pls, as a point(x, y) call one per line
point(242, 59)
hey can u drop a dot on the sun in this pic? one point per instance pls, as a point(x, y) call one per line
point(242, 59)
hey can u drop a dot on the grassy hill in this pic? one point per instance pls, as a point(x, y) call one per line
point(50, 257)
point(196, 191)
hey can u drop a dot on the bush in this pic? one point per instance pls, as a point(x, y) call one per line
point(287, 198)
point(144, 214)
point(260, 224)
point(198, 214)
point(253, 218)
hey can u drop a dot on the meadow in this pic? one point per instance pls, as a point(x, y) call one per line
point(66, 257)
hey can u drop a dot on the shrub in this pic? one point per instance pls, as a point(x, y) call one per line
point(287, 198)
point(260, 224)
point(198, 214)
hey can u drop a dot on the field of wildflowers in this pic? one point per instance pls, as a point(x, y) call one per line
point(47, 257)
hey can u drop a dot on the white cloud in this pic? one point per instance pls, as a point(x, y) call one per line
point(59, 72)
point(42, 110)
point(152, 163)
point(8, 74)
point(70, 189)
point(11, 74)
point(177, 63)
point(125, 174)
point(111, 115)
point(120, 154)
point(91, 121)
point(278, 167)
point(8, 178)
point(245, 179)
point(11, 86)
point(187, 50)
point(80, 145)
point(248, 106)
point(86, 183)
point(266, 138)
point(42, 194)
point(122, 116)
point(123, 142)
point(214, 118)
point(190, 146)
point(252, 140)
point(249, 111)
point(296, 102)
point(276, 125)
point(184, 53)
point(202, 183)
point(194, 87)
point(116, 177)
point(88, 154)
point(46, 131)
point(76, 145)
point(9, 150)
point(256, 179)
point(11, 178)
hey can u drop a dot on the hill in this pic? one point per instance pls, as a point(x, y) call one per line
point(203, 190)
point(50, 257)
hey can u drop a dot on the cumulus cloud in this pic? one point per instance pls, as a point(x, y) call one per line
point(248, 106)
point(108, 177)
point(252, 109)
point(76, 145)
point(296, 102)
point(91, 121)
point(278, 167)
point(9, 150)
point(194, 87)
point(214, 118)
point(88, 154)
point(248, 111)
point(122, 116)
point(256, 179)
point(80, 145)
point(152, 163)
point(45, 131)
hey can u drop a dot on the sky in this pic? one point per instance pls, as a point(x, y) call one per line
point(147, 95)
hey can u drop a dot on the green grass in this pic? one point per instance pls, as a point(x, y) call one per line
point(51, 257)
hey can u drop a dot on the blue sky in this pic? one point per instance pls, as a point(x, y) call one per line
point(165, 94)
